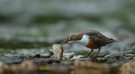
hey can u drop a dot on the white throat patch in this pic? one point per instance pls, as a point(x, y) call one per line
point(85, 39)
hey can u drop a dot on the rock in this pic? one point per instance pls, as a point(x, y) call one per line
point(130, 55)
point(87, 67)
point(44, 61)
point(11, 58)
point(68, 55)
point(3, 67)
point(127, 68)
point(115, 54)
point(57, 51)
point(55, 69)
point(78, 57)
point(28, 65)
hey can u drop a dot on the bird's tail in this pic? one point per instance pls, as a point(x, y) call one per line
point(111, 40)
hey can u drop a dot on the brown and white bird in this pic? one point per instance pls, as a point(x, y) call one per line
point(91, 39)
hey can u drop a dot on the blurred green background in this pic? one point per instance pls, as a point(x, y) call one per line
point(37, 23)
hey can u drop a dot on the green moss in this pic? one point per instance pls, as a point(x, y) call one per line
point(22, 44)
point(81, 52)
point(111, 60)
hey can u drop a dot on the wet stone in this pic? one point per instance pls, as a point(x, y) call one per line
point(10, 59)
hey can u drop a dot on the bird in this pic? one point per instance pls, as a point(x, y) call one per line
point(91, 39)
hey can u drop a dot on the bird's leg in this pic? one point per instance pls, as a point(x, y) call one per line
point(97, 52)
point(89, 53)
